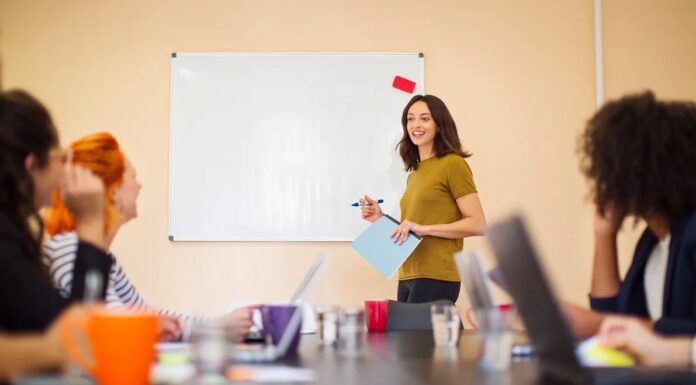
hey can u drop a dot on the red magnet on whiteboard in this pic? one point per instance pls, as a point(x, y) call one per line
point(404, 84)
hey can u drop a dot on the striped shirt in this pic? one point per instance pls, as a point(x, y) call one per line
point(59, 255)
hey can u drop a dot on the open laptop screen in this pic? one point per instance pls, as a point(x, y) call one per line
point(536, 304)
point(474, 279)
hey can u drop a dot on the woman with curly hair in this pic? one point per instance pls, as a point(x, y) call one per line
point(640, 155)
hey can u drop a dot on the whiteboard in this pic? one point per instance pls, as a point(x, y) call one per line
point(276, 146)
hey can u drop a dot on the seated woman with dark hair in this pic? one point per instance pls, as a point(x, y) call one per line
point(640, 155)
point(32, 164)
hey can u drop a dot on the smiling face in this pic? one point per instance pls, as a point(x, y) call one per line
point(420, 125)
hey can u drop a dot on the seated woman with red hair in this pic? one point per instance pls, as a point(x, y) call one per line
point(101, 154)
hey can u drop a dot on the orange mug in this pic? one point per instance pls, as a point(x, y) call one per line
point(116, 347)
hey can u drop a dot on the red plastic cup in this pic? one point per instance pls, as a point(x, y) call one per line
point(376, 314)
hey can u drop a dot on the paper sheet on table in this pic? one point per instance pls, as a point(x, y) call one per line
point(275, 373)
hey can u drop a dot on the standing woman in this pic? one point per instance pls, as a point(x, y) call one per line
point(440, 202)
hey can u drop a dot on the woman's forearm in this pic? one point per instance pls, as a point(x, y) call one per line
point(605, 267)
point(466, 227)
point(25, 354)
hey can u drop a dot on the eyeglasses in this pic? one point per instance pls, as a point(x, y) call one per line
point(60, 153)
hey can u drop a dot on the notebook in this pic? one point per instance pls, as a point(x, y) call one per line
point(378, 248)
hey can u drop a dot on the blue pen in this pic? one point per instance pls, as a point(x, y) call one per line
point(358, 204)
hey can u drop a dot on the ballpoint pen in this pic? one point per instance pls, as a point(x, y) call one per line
point(358, 204)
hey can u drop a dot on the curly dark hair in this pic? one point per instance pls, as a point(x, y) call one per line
point(640, 155)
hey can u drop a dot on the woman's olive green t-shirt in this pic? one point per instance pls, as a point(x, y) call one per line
point(430, 198)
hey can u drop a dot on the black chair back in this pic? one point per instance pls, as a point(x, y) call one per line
point(411, 316)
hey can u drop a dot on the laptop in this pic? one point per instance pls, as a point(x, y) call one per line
point(473, 275)
point(547, 329)
point(271, 352)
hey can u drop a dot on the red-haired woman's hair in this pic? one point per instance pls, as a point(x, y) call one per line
point(101, 154)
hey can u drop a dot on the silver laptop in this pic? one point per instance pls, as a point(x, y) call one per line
point(271, 352)
point(475, 283)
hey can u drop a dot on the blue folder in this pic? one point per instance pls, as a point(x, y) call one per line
point(378, 248)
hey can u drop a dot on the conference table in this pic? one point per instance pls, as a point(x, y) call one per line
point(400, 357)
point(409, 358)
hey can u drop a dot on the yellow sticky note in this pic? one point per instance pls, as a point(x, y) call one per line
point(609, 356)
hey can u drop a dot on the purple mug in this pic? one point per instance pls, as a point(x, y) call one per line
point(276, 319)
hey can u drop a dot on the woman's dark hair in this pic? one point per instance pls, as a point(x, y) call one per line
point(446, 138)
point(25, 128)
point(640, 155)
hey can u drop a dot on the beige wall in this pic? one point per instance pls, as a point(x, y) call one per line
point(517, 75)
point(649, 44)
